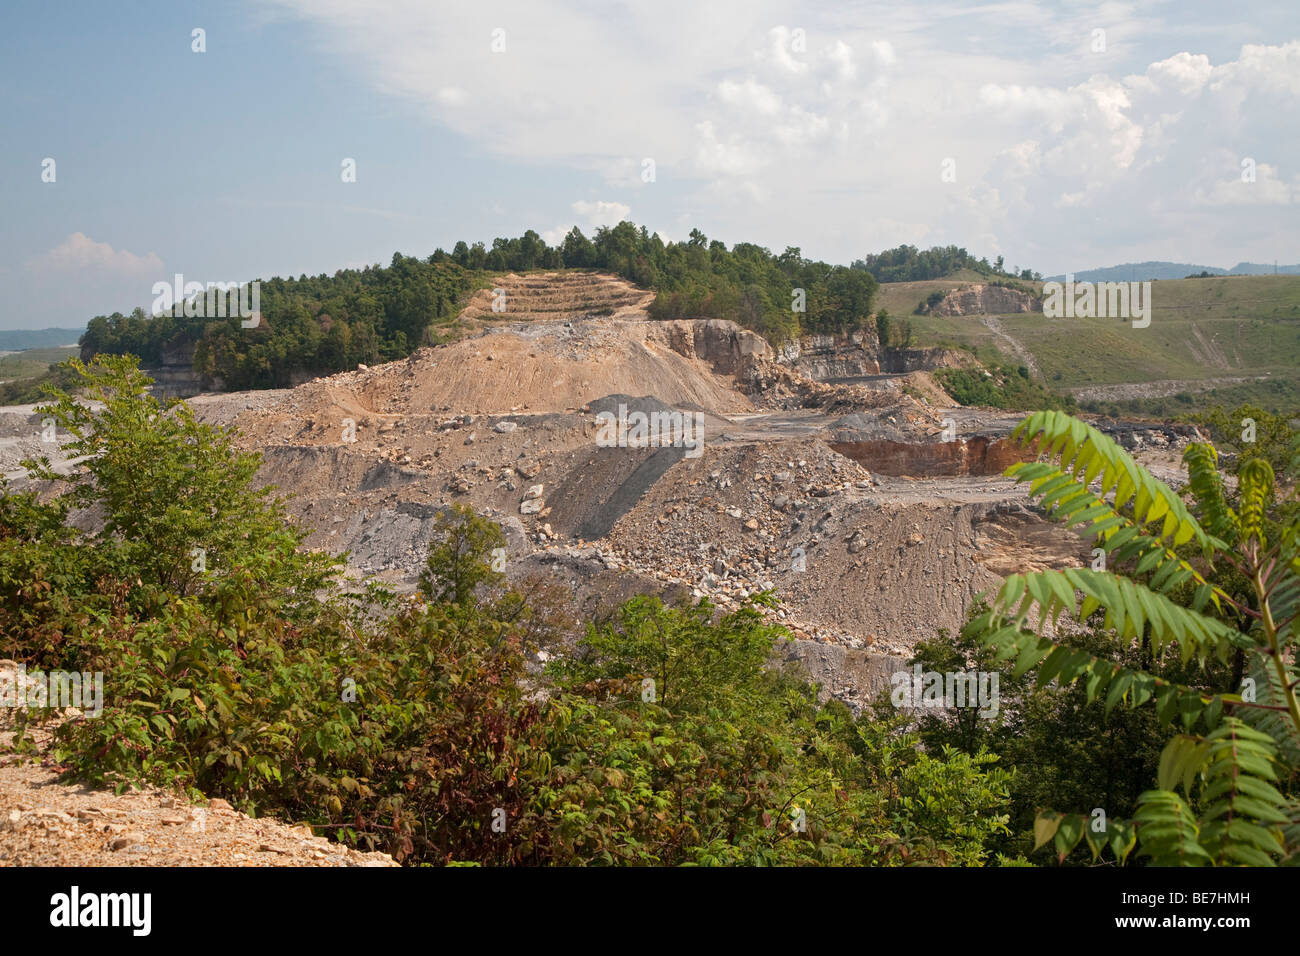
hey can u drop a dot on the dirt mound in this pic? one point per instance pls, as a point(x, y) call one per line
point(923, 386)
point(21, 433)
point(613, 404)
point(544, 367)
point(44, 823)
point(855, 559)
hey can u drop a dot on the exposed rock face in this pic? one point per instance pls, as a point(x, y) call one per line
point(823, 357)
point(730, 349)
point(177, 381)
point(856, 676)
point(901, 361)
point(986, 300)
point(175, 377)
point(978, 455)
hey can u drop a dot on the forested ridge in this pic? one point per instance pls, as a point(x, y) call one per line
point(318, 325)
point(909, 264)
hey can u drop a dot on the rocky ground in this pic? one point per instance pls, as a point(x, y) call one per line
point(1135, 390)
point(46, 823)
point(871, 506)
point(866, 503)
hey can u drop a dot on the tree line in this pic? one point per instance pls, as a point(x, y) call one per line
point(311, 325)
point(316, 325)
point(909, 264)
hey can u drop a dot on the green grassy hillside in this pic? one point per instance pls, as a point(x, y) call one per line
point(1228, 326)
point(32, 362)
point(902, 298)
point(22, 373)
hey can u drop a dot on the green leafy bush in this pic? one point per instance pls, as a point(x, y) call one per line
point(413, 725)
point(1221, 582)
point(999, 386)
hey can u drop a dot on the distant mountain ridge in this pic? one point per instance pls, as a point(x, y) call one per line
point(15, 340)
point(1141, 271)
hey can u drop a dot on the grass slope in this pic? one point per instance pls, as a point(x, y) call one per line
point(1210, 328)
point(32, 362)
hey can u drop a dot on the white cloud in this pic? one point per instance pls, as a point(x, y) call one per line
point(80, 277)
point(1269, 69)
point(591, 216)
point(749, 95)
point(79, 253)
point(733, 158)
point(602, 213)
point(832, 138)
point(1267, 189)
point(782, 52)
point(841, 54)
point(1186, 72)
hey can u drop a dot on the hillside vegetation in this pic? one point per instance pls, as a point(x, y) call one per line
point(324, 324)
point(910, 264)
point(1201, 329)
point(23, 373)
point(31, 362)
point(668, 735)
point(412, 724)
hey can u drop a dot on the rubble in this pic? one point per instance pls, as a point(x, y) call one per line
point(836, 497)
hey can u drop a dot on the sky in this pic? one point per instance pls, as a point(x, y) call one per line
point(1063, 136)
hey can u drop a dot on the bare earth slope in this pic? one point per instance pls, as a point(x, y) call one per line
point(46, 823)
point(845, 500)
point(505, 421)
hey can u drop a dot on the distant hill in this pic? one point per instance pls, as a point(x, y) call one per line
point(15, 340)
point(1141, 271)
point(1262, 269)
point(1215, 331)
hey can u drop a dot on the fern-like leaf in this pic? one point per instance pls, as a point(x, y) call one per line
point(1206, 485)
point(1133, 688)
point(1090, 455)
point(1241, 822)
point(1130, 610)
point(1255, 484)
point(1167, 830)
point(1266, 718)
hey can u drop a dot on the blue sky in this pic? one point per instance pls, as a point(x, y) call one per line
point(828, 127)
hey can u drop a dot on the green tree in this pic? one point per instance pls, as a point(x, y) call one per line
point(1207, 583)
point(680, 742)
point(460, 556)
point(178, 499)
point(1061, 747)
point(883, 328)
point(1252, 432)
point(578, 250)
